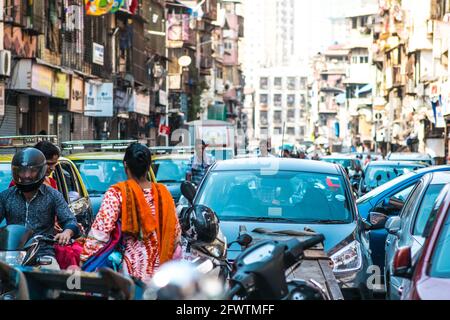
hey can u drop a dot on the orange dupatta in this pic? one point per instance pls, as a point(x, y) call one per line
point(138, 221)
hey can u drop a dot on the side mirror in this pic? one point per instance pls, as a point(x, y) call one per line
point(402, 263)
point(188, 190)
point(376, 221)
point(393, 225)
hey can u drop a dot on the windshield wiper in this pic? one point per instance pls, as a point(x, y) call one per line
point(260, 219)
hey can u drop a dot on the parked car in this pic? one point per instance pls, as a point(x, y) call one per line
point(388, 200)
point(407, 229)
point(378, 173)
point(290, 194)
point(411, 157)
point(428, 272)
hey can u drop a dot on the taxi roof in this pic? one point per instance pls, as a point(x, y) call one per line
point(175, 156)
point(8, 158)
point(96, 156)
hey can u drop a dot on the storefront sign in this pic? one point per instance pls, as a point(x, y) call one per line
point(60, 86)
point(141, 104)
point(42, 79)
point(98, 53)
point(76, 95)
point(98, 99)
point(162, 98)
point(175, 82)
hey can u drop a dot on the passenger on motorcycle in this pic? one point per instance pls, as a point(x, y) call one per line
point(36, 205)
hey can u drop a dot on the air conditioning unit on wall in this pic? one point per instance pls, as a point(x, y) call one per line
point(5, 63)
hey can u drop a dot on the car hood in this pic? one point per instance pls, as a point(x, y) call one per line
point(334, 233)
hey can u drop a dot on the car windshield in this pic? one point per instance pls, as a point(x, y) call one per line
point(5, 176)
point(346, 163)
point(297, 197)
point(381, 189)
point(376, 176)
point(100, 175)
point(440, 266)
point(170, 170)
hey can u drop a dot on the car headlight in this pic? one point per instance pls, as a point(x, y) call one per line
point(348, 258)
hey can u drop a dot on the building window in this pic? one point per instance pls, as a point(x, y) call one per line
point(303, 83)
point(277, 131)
point(302, 131)
point(363, 21)
point(291, 116)
point(277, 100)
point(302, 99)
point(292, 83)
point(263, 118)
point(291, 100)
point(290, 131)
point(364, 59)
point(278, 83)
point(228, 45)
point(302, 114)
point(264, 83)
point(263, 98)
point(277, 117)
point(354, 23)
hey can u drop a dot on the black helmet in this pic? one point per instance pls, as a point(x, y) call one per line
point(200, 225)
point(29, 167)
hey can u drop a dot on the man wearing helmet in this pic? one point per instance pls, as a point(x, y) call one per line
point(34, 204)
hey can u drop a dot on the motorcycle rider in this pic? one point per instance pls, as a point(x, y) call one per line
point(36, 205)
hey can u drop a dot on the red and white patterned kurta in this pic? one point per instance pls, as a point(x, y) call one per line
point(141, 258)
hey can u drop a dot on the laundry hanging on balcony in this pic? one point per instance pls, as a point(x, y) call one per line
point(117, 5)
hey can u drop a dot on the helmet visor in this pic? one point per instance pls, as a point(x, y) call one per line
point(27, 175)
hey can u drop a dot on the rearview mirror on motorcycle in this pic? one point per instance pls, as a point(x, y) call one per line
point(188, 190)
point(244, 240)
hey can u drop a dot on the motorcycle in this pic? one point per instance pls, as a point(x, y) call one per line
point(20, 280)
point(212, 255)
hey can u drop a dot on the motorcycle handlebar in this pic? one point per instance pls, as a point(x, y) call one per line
point(296, 248)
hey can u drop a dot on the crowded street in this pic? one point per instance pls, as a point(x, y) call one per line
point(225, 150)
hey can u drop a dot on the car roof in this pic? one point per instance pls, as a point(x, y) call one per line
point(440, 177)
point(386, 163)
point(408, 155)
point(272, 164)
point(96, 156)
point(172, 157)
point(8, 158)
point(339, 156)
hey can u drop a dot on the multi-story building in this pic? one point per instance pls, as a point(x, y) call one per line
point(281, 106)
point(81, 76)
point(329, 71)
